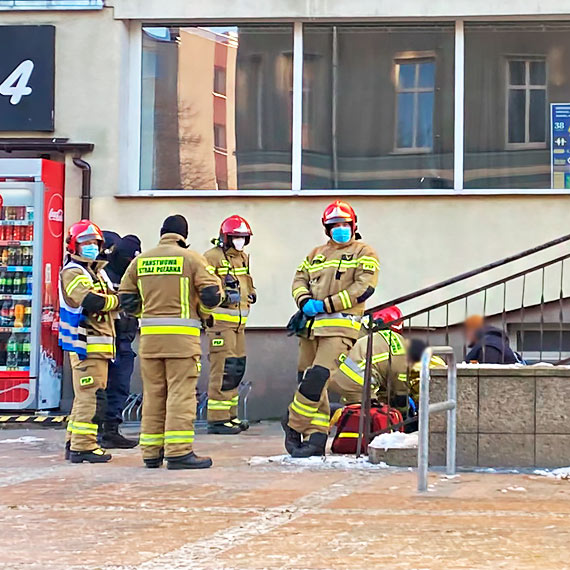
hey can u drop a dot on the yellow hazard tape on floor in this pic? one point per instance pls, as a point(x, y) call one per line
point(44, 420)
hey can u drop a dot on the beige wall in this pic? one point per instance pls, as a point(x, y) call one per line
point(419, 239)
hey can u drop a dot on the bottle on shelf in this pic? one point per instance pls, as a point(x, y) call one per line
point(27, 256)
point(16, 235)
point(9, 283)
point(12, 351)
point(3, 354)
point(2, 282)
point(24, 352)
point(17, 256)
point(29, 281)
point(16, 283)
point(5, 256)
point(19, 313)
point(47, 304)
point(27, 313)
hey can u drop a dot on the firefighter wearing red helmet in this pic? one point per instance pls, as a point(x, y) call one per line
point(87, 332)
point(330, 287)
point(225, 330)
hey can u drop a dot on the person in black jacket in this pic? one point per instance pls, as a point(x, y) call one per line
point(487, 345)
point(119, 252)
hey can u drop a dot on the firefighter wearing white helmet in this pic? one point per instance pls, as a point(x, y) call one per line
point(330, 287)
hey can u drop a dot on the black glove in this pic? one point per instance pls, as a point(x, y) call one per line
point(252, 298)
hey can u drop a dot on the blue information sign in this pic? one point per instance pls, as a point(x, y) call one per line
point(560, 145)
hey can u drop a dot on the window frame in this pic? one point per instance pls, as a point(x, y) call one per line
point(527, 88)
point(130, 144)
point(417, 58)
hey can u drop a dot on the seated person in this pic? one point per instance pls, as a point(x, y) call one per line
point(487, 345)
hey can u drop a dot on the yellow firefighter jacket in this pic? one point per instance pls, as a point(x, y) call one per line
point(232, 267)
point(343, 276)
point(84, 284)
point(389, 364)
point(169, 282)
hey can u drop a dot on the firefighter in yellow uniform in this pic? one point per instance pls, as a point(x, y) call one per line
point(166, 285)
point(330, 287)
point(87, 332)
point(225, 333)
point(395, 370)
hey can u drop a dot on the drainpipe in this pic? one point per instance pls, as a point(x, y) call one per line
point(85, 186)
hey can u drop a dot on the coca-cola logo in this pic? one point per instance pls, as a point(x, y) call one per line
point(55, 215)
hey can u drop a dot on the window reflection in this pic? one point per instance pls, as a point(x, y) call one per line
point(378, 106)
point(215, 111)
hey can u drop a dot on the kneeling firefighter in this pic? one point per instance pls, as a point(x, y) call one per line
point(330, 288)
point(166, 285)
point(87, 332)
point(226, 323)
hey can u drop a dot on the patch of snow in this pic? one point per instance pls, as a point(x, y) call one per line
point(327, 462)
point(560, 473)
point(23, 439)
point(395, 440)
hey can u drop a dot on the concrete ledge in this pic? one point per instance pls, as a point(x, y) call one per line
point(507, 416)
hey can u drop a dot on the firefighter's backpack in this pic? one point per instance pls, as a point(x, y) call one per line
point(381, 418)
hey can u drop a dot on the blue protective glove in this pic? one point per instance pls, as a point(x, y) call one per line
point(313, 307)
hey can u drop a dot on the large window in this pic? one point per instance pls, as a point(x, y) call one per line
point(512, 74)
point(380, 110)
point(215, 108)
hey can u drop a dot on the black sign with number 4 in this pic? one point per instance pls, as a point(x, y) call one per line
point(27, 78)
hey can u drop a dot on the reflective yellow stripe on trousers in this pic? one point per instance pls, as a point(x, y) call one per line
point(337, 320)
point(104, 344)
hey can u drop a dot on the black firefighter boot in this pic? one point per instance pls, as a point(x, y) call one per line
point(112, 439)
point(188, 461)
point(223, 428)
point(154, 462)
point(94, 456)
point(293, 438)
point(315, 445)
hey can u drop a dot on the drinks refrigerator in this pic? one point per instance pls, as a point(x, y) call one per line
point(31, 251)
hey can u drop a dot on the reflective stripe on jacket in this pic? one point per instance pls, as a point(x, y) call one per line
point(343, 276)
point(168, 280)
point(231, 265)
point(87, 334)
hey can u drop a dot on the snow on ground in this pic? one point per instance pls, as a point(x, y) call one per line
point(560, 473)
point(395, 440)
point(23, 439)
point(313, 463)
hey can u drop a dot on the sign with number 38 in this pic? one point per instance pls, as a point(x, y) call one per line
point(27, 78)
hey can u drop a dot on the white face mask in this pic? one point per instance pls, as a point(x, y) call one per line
point(239, 243)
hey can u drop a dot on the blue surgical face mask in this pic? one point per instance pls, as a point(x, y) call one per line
point(341, 234)
point(90, 251)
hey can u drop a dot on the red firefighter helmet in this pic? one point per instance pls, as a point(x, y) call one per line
point(391, 315)
point(234, 226)
point(339, 212)
point(80, 232)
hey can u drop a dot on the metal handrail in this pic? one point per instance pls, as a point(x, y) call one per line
point(468, 274)
point(425, 409)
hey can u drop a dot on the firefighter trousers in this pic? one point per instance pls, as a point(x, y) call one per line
point(169, 405)
point(89, 401)
point(309, 412)
point(227, 367)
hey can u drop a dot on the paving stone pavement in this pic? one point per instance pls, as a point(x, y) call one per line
point(256, 514)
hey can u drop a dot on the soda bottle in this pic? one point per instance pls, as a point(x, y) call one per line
point(17, 256)
point(12, 352)
point(27, 314)
point(47, 305)
point(30, 232)
point(16, 233)
point(24, 354)
point(16, 284)
point(2, 282)
point(9, 233)
point(5, 256)
point(29, 281)
point(27, 256)
point(11, 312)
point(19, 313)
point(3, 344)
point(23, 284)
point(9, 283)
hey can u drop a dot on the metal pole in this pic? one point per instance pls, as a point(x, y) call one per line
point(423, 442)
point(451, 413)
point(365, 405)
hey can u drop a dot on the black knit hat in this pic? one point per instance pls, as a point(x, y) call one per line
point(176, 224)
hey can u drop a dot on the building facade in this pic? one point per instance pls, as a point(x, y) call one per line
point(432, 119)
